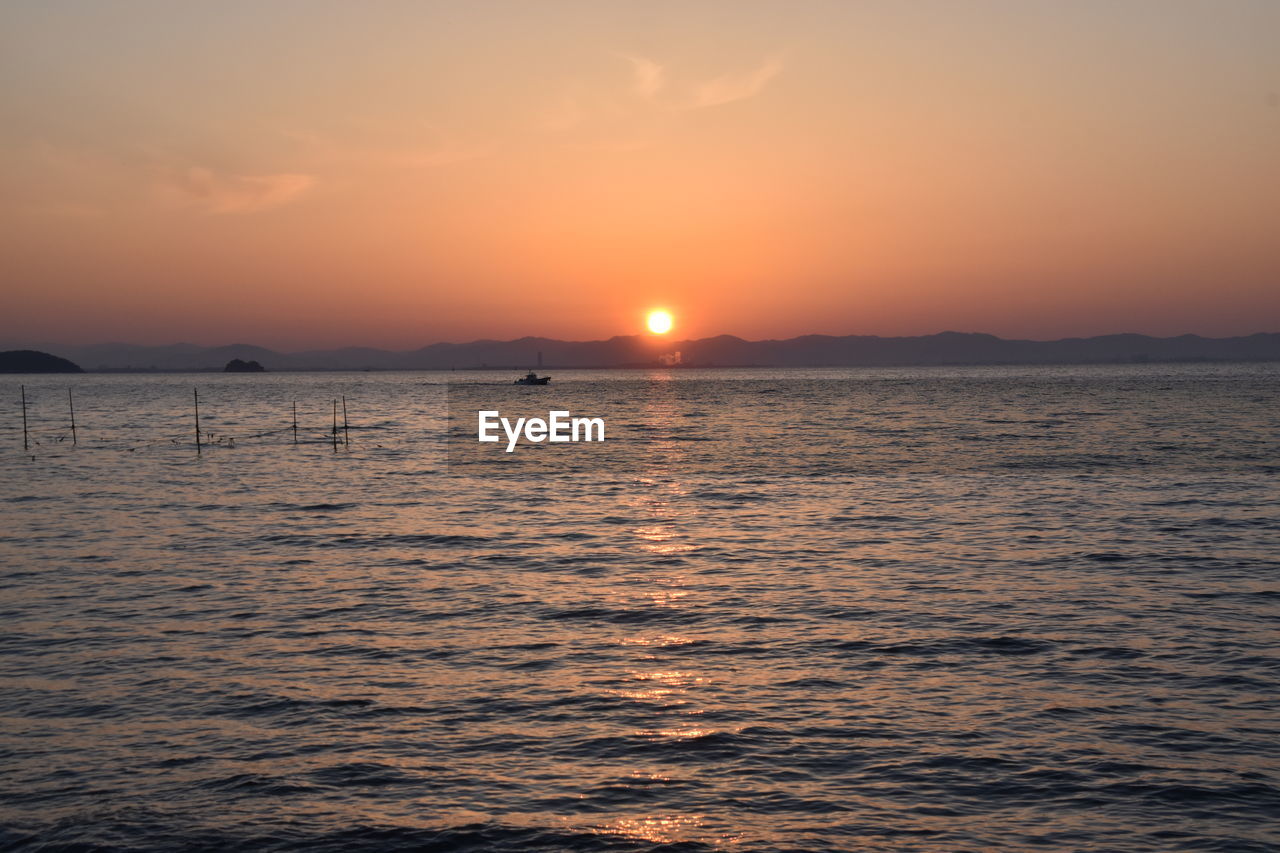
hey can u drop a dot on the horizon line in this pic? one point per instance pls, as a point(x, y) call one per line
point(639, 336)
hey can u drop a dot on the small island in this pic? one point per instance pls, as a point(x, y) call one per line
point(34, 361)
point(235, 365)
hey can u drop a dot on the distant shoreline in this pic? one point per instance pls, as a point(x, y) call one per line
point(647, 352)
point(682, 367)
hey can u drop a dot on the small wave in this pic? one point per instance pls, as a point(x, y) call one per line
point(257, 784)
point(994, 645)
point(730, 497)
point(373, 540)
point(172, 836)
point(1108, 557)
point(623, 616)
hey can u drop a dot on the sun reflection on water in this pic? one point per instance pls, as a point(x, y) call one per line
point(661, 537)
point(662, 641)
point(656, 830)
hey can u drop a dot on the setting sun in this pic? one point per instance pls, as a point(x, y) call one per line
point(660, 322)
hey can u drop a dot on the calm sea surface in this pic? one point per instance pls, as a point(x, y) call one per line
point(878, 610)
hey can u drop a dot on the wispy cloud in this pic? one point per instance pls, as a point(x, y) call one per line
point(735, 86)
point(647, 76)
point(60, 176)
point(650, 80)
point(216, 192)
point(611, 117)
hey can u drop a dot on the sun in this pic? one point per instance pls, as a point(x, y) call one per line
point(660, 322)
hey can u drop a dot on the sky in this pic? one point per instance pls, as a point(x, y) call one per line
point(313, 174)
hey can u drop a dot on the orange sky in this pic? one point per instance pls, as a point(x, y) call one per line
point(394, 174)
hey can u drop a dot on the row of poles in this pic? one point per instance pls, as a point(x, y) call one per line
point(26, 436)
point(195, 394)
point(346, 427)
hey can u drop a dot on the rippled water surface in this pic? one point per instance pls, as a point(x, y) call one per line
point(887, 610)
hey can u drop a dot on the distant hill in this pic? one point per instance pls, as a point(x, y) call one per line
point(946, 348)
point(33, 361)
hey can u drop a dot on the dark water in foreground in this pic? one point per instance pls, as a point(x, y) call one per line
point(889, 610)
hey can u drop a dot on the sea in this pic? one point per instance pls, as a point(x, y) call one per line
point(891, 609)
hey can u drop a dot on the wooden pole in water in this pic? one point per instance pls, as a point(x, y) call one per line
point(295, 421)
point(26, 441)
point(335, 426)
point(71, 405)
point(346, 431)
point(196, 396)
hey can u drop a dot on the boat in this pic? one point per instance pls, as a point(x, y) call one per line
point(532, 378)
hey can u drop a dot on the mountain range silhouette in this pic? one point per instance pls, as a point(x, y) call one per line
point(945, 348)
